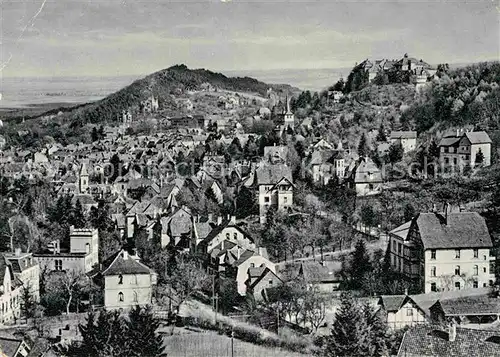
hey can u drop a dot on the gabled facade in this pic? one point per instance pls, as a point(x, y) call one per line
point(463, 149)
point(401, 311)
point(274, 185)
point(126, 281)
point(445, 251)
point(407, 139)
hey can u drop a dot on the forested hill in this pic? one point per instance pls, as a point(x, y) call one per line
point(164, 84)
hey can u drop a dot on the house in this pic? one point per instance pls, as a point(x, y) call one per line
point(274, 185)
point(444, 251)
point(325, 164)
point(10, 293)
point(480, 310)
point(465, 149)
point(451, 341)
point(82, 256)
point(126, 281)
point(226, 231)
point(407, 139)
point(286, 117)
point(14, 347)
point(26, 269)
point(366, 178)
point(177, 229)
point(260, 280)
point(324, 276)
point(247, 259)
point(401, 311)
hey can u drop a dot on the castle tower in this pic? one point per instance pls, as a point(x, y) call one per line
point(83, 176)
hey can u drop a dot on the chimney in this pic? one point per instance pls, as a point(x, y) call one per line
point(87, 248)
point(434, 209)
point(458, 132)
point(233, 219)
point(125, 254)
point(452, 331)
point(447, 209)
point(406, 291)
point(17, 252)
point(219, 220)
point(239, 252)
point(210, 217)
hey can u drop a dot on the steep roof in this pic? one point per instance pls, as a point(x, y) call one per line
point(402, 230)
point(449, 141)
point(271, 174)
point(403, 135)
point(473, 305)
point(428, 340)
point(392, 302)
point(459, 230)
point(478, 137)
point(117, 264)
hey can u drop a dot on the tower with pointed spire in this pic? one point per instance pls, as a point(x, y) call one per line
point(288, 117)
point(83, 176)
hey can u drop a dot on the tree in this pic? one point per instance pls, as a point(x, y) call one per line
point(359, 265)
point(70, 284)
point(479, 157)
point(363, 148)
point(78, 215)
point(94, 134)
point(28, 302)
point(433, 150)
point(314, 307)
point(187, 278)
point(349, 335)
point(409, 212)
point(245, 203)
point(377, 332)
point(381, 133)
point(367, 215)
point(103, 335)
point(141, 333)
point(395, 153)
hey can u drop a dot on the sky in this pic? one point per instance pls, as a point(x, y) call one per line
point(51, 38)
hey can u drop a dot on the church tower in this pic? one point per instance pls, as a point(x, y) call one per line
point(289, 118)
point(83, 179)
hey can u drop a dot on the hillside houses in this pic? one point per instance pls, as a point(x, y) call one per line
point(459, 149)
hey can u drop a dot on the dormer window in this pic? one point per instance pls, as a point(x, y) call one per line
point(120, 279)
point(120, 296)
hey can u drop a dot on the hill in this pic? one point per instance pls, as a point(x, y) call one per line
point(165, 85)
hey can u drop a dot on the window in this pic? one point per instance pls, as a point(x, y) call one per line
point(446, 160)
point(235, 236)
point(457, 285)
point(476, 253)
point(457, 253)
point(475, 284)
point(58, 264)
point(476, 270)
point(433, 271)
point(370, 186)
point(484, 257)
point(270, 282)
point(433, 253)
point(484, 270)
point(399, 248)
point(285, 199)
point(433, 287)
point(457, 270)
point(252, 265)
point(266, 199)
point(120, 279)
point(228, 236)
point(409, 311)
point(120, 296)
point(454, 160)
point(135, 297)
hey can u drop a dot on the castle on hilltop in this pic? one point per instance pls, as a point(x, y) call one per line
point(150, 105)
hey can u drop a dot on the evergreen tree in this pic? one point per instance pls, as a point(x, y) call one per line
point(104, 335)
point(409, 212)
point(349, 335)
point(360, 264)
point(395, 153)
point(433, 150)
point(381, 133)
point(78, 215)
point(377, 332)
point(245, 203)
point(94, 135)
point(363, 149)
point(141, 332)
point(479, 157)
point(28, 303)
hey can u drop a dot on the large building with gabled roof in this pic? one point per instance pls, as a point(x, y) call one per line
point(126, 281)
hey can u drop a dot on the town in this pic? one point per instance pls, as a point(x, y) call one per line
point(332, 223)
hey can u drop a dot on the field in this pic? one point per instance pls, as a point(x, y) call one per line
point(210, 344)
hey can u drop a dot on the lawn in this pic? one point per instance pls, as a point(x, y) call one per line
point(210, 344)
